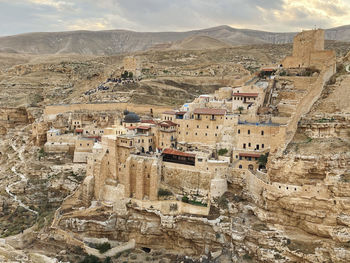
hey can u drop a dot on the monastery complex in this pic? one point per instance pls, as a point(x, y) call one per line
point(194, 150)
point(153, 170)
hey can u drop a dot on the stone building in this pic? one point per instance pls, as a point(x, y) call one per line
point(308, 51)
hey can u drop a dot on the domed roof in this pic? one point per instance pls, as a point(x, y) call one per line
point(131, 117)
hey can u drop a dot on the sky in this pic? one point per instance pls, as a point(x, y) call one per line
point(22, 16)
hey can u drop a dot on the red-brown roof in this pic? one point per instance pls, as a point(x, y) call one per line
point(149, 121)
point(268, 69)
point(132, 127)
point(237, 94)
point(169, 112)
point(250, 155)
point(178, 153)
point(79, 130)
point(167, 124)
point(207, 111)
point(144, 127)
point(181, 112)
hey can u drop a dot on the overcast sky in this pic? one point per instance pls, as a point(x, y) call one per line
point(20, 16)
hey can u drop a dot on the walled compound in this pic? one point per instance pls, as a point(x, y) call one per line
point(192, 152)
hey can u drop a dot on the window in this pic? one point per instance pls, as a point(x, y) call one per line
point(249, 144)
point(216, 135)
point(244, 146)
point(239, 131)
point(262, 146)
point(236, 156)
point(240, 166)
point(195, 134)
point(217, 127)
point(248, 131)
point(88, 144)
point(206, 134)
point(249, 158)
point(200, 159)
point(80, 144)
point(262, 132)
point(207, 127)
point(197, 126)
point(240, 157)
point(186, 133)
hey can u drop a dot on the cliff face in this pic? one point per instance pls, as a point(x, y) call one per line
point(318, 159)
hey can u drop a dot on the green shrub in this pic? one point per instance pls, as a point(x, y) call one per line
point(90, 259)
point(193, 202)
point(164, 192)
point(103, 247)
point(185, 199)
point(41, 153)
point(222, 151)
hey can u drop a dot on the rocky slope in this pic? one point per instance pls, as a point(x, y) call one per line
point(117, 41)
point(169, 77)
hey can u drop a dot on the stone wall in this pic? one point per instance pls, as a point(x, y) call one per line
point(10, 117)
point(186, 179)
point(52, 111)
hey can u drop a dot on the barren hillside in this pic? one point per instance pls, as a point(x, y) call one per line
point(118, 41)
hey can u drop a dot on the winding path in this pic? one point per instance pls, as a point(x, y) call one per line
point(22, 177)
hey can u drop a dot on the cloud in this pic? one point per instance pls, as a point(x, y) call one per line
point(17, 16)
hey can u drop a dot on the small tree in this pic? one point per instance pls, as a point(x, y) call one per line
point(262, 160)
point(222, 151)
point(240, 109)
point(125, 74)
point(131, 75)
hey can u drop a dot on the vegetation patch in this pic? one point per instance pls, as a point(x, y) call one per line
point(222, 151)
point(104, 247)
point(185, 199)
point(164, 192)
point(94, 259)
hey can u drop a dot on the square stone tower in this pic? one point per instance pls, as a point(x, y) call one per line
point(308, 51)
point(308, 42)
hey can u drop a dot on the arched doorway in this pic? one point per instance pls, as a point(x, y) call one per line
point(251, 167)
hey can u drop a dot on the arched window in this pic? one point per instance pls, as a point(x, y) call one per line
point(240, 166)
point(239, 131)
point(248, 131)
point(262, 132)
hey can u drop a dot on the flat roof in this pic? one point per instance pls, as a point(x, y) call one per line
point(250, 155)
point(169, 112)
point(238, 94)
point(209, 111)
point(178, 153)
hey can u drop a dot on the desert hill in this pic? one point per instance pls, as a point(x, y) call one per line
point(118, 41)
point(199, 42)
